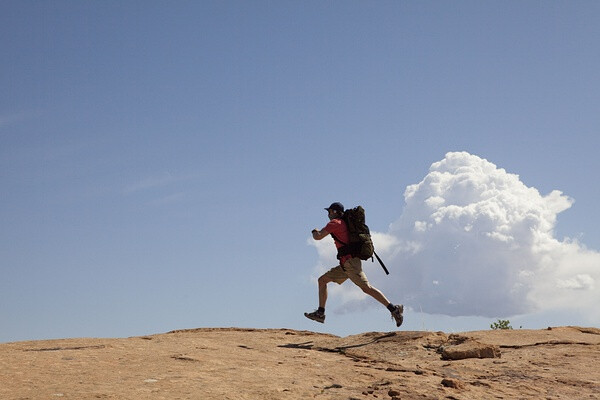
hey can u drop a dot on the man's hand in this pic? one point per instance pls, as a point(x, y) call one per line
point(318, 235)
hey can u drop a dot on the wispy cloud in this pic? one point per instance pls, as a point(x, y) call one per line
point(160, 189)
point(151, 182)
point(168, 199)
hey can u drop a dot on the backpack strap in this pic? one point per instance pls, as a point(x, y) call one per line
point(342, 251)
point(374, 253)
point(337, 240)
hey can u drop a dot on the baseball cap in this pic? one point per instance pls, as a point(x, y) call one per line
point(336, 207)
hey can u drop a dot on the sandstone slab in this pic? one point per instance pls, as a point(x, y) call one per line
point(235, 363)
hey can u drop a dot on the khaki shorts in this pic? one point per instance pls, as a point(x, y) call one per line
point(352, 269)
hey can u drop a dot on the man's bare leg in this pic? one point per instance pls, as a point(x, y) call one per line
point(396, 310)
point(376, 294)
point(319, 315)
point(323, 281)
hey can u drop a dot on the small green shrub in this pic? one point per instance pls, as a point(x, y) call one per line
point(501, 324)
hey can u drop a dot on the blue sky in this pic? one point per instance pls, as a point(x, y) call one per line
point(162, 163)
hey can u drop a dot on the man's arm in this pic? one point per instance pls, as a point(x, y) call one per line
point(319, 234)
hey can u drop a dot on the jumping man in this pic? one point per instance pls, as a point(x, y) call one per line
point(349, 267)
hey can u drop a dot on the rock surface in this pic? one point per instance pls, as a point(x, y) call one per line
point(462, 347)
point(233, 363)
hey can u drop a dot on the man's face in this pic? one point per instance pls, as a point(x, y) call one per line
point(332, 214)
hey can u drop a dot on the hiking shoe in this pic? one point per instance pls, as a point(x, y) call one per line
point(316, 316)
point(397, 314)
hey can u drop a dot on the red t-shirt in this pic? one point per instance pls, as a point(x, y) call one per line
point(340, 230)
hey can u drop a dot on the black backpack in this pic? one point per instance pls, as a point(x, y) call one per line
point(359, 237)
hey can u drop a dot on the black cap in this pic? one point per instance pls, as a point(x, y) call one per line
point(336, 207)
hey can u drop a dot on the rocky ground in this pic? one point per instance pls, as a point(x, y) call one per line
point(232, 363)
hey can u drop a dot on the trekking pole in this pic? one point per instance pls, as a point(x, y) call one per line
point(382, 264)
point(378, 259)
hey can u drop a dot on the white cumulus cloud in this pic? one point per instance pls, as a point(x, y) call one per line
point(473, 240)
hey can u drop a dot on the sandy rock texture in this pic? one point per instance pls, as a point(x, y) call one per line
point(233, 363)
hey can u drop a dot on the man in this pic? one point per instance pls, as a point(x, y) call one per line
point(350, 267)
